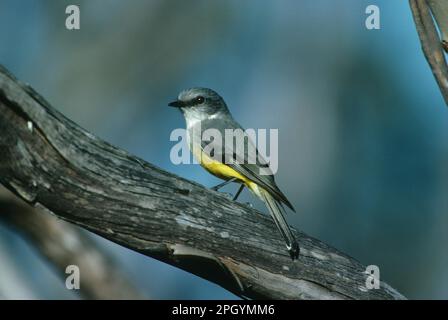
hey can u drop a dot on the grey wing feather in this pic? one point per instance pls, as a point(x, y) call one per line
point(249, 170)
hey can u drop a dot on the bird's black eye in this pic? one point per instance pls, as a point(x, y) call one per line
point(199, 100)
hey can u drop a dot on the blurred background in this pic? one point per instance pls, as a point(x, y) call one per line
point(360, 118)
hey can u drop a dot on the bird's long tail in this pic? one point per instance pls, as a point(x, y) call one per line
point(276, 210)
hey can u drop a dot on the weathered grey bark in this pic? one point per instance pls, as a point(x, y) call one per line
point(63, 244)
point(432, 45)
point(55, 165)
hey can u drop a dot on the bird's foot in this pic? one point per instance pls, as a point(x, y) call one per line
point(219, 186)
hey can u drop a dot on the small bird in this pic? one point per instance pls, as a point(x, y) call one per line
point(204, 109)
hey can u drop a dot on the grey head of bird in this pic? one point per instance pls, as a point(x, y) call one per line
point(200, 104)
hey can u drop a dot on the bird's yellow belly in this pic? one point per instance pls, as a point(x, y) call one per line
point(223, 171)
point(219, 169)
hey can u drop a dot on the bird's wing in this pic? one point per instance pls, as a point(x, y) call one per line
point(240, 157)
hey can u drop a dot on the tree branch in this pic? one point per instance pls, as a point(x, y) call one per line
point(432, 46)
point(52, 163)
point(439, 9)
point(62, 245)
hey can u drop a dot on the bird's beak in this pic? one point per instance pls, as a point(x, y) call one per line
point(177, 104)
